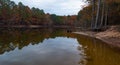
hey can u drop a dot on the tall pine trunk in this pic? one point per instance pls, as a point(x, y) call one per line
point(97, 14)
point(103, 12)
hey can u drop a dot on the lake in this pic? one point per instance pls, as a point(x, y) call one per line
point(21, 46)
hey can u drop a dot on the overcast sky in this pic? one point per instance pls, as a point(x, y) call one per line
point(59, 7)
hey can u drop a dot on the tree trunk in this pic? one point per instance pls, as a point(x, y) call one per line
point(93, 15)
point(106, 16)
point(98, 14)
point(102, 16)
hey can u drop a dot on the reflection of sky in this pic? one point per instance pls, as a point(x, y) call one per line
point(58, 51)
point(59, 7)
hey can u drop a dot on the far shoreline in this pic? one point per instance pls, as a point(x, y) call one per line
point(36, 26)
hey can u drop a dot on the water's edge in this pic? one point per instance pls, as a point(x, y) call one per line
point(108, 42)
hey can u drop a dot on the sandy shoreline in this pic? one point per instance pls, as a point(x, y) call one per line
point(110, 36)
point(113, 42)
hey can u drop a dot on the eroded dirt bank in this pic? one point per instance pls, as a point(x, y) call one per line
point(111, 36)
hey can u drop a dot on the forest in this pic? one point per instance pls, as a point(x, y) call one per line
point(99, 14)
point(12, 14)
point(96, 15)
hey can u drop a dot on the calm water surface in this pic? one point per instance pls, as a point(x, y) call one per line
point(53, 47)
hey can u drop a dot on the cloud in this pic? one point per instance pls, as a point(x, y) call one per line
point(59, 7)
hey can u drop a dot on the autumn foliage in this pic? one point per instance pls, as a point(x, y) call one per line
point(13, 14)
point(100, 13)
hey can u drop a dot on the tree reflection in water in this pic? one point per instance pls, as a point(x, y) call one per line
point(89, 51)
point(40, 44)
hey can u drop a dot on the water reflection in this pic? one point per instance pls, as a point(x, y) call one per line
point(53, 47)
point(39, 47)
point(10, 38)
point(98, 52)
